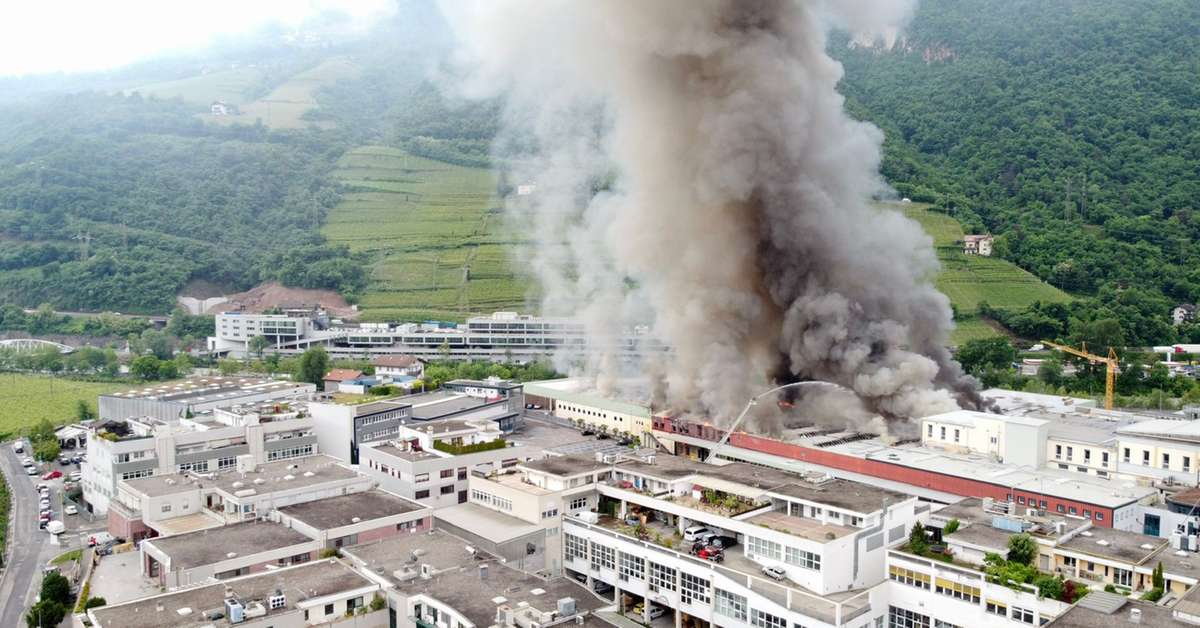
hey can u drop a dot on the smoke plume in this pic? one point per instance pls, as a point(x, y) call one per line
point(695, 169)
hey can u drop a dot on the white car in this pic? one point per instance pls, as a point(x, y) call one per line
point(774, 573)
point(27, 461)
point(31, 471)
point(657, 611)
point(70, 510)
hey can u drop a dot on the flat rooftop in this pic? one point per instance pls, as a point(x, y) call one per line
point(492, 525)
point(336, 512)
point(206, 547)
point(458, 580)
point(566, 465)
point(580, 391)
point(208, 389)
point(802, 527)
point(304, 472)
point(1103, 611)
point(307, 581)
point(1128, 547)
point(445, 407)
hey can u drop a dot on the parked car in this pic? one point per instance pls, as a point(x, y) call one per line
point(588, 433)
point(42, 486)
point(70, 510)
point(693, 533)
point(45, 515)
point(27, 461)
point(99, 538)
point(601, 587)
point(75, 476)
point(19, 447)
point(77, 459)
point(656, 611)
point(31, 471)
point(55, 527)
point(602, 436)
point(53, 475)
point(723, 542)
point(64, 460)
point(712, 553)
point(773, 572)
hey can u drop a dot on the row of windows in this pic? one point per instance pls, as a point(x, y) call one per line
point(1087, 455)
point(133, 475)
point(574, 547)
point(957, 590)
point(578, 503)
point(291, 452)
point(1036, 503)
point(1186, 461)
point(662, 578)
point(909, 577)
point(603, 557)
point(632, 566)
point(487, 499)
point(775, 551)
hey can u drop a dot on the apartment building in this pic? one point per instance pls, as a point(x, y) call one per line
point(234, 330)
point(131, 448)
point(311, 594)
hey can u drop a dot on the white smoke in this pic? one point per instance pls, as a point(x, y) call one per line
point(695, 168)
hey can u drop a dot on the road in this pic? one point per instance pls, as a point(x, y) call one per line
point(24, 572)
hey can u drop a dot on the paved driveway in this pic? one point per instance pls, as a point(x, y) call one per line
point(23, 575)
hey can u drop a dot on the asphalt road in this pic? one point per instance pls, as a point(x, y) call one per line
point(24, 570)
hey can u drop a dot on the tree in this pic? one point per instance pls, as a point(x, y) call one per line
point(145, 367)
point(45, 614)
point(93, 602)
point(314, 364)
point(1022, 549)
point(56, 587)
point(83, 411)
point(1157, 578)
point(46, 449)
point(167, 369)
point(42, 430)
point(258, 344)
point(158, 343)
point(1049, 586)
point(1051, 373)
point(981, 354)
point(918, 543)
point(228, 367)
point(951, 527)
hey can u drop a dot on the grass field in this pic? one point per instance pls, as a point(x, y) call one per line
point(27, 399)
point(440, 246)
point(970, 279)
point(284, 107)
point(231, 86)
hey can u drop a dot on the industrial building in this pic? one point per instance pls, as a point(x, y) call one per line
point(173, 400)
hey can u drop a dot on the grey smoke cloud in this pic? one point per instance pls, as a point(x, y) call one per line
point(734, 206)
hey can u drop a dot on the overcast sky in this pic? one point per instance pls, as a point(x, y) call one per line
point(38, 36)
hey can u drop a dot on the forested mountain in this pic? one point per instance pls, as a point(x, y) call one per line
point(1070, 129)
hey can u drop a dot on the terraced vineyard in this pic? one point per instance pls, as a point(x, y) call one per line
point(439, 240)
point(970, 279)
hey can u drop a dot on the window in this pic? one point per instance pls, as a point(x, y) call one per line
point(958, 590)
point(1059, 508)
point(293, 452)
point(447, 473)
point(421, 494)
point(909, 577)
point(632, 567)
point(997, 608)
point(1099, 516)
point(1087, 514)
point(329, 609)
point(801, 558)
point(575, 547)
point(1020, 499)
point(1146, 458)
point(764, 620)
point(550, 513)
point(1104, 459)
point(447, 489)
point(730, 605)
point(166, 507)
point(1125, 456)
point(662, 578)
point(1087, 456)
point(943, 432)
point(579, 503)
point(1073, 511)
point(1058, 451)
point(353, 603)
point(603, 557)
point(904, 618)
point(930, 430)
point(421, 477)
point(1063, 466)
point(763, 548)
point(937, 623)
point(956, 435)
point(462, 473)
point(1187, 463)
point(1122, 577)
point(226, 463)
point(1166, 461)
point(1070, 453)
point(1024, 615)
point(693, 589)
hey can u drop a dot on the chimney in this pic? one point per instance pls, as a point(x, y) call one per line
point(1135, 615)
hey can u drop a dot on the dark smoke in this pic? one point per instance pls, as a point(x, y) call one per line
point(736, 212)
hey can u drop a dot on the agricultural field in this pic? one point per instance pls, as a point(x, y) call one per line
point(27, 399)
point(285, 107)
point(231, 86)
point(440, 243)
point(970, 279)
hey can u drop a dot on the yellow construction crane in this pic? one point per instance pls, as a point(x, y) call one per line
point(1110, 362)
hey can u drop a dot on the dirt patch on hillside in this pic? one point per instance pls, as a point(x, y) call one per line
point(273, 294)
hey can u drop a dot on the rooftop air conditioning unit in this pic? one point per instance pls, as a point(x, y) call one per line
point(566, 607)
point(234, 611)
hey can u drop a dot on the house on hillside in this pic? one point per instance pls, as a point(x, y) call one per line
point(222, 108)
point(335, 378)
point(398, 366)
point(977, 245)
point(1183, 313)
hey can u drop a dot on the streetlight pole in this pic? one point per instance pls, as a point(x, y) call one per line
point(753, 402)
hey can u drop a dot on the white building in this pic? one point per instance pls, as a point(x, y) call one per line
point(234, 330)
point(136, 448)
point(1016, 440)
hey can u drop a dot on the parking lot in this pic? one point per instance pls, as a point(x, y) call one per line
point(57, 477)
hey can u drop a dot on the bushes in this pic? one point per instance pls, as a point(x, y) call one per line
point(1022, 549)
point(951, 527)
point(458, 450)
point(1153, 595)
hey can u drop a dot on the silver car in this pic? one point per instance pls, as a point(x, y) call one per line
point(774, 573)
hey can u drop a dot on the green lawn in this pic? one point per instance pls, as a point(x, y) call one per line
point(440, 244)
point(231, 86)
point(284, 107)
point(27, 399)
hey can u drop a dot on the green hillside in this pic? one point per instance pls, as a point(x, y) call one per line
point(969, 280)
point(438, 243)
point(232, 86)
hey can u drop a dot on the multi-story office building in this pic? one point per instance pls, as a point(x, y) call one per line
point(126, 449)
point(234, 330)
point(341, 427)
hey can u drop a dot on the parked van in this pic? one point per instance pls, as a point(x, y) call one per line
point(693, 533)
point(99, 538)
point(19, 447)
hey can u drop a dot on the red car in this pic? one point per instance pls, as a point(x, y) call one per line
point(711, 553)
point(52, 475)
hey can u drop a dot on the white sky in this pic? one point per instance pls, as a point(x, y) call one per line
point(38, 36)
